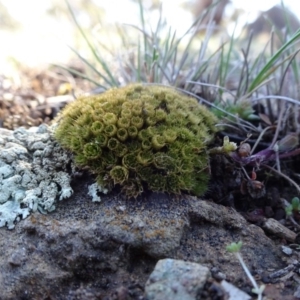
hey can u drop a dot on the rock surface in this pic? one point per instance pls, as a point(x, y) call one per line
point(176, 280)
point(33, 173)
point(107, 249)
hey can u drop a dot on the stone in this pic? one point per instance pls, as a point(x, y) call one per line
point(33, 173)
point(98, 248)
point(176, 280)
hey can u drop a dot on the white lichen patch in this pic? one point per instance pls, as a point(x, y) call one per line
point(33, 173)
point(94, 189)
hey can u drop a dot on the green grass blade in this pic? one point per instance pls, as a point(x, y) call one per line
point(113, 81)
point(82, 75)
point(268, 69)
point(91, 66)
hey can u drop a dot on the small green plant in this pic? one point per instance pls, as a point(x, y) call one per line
point(227, 148)
point(294, 207)
point(140, 137)
point(241, 109)
point(235, 248)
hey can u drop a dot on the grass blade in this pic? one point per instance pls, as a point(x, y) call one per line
point(269, 68)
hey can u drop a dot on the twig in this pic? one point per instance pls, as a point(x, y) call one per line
point(284, 176)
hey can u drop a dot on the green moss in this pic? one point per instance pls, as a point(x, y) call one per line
point(140, 137)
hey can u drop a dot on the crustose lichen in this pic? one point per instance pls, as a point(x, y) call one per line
point(140, 137)
point(33, 173)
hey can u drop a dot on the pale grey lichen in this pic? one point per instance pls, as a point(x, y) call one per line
point(33, 173)
point(93, 191)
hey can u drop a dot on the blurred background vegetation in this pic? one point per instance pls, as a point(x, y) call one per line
point(38, 32)
point(216, 49)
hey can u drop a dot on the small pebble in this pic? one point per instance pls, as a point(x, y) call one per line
point(287, 250)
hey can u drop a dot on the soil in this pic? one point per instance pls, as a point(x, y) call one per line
point(255, 196)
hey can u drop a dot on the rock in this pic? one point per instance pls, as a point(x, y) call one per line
point(273, 226)
point(297, 293)
point(287, 250)
point(233, 292)
point(33, 173)
point(98, 248)
point(176, 280)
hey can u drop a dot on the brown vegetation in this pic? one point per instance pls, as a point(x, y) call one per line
point(214, 11)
